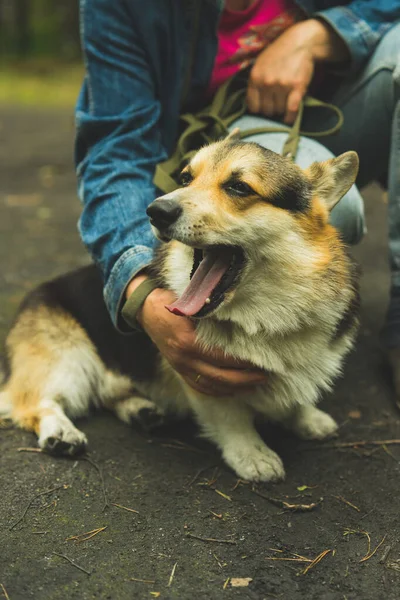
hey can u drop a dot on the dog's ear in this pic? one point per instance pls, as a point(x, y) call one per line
point(332, 178)
point(234, 134)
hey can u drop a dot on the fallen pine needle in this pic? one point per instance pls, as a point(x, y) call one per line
point(206, 539)
point(5, 592)
point(360, 532)
point(125, 507)
point(224, 495)
point(315, 561)
point(226, 584)
point(29, 450)
point(215, 514)
point(89, 534)
point(303, 559)
point(74, 564)
point(370, 555)
point(197, 475)
point(171, 577)
point(365, 443)
point(141, 580)
point(155, 594)
point(58, 487)
point(287, 505)
point(347, 502)
point(100, 473)
point(221, 566)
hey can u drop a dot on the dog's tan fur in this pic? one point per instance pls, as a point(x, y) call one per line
point(292, 313)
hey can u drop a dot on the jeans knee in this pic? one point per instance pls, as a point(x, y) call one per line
point(387, 53)
point(349, 218)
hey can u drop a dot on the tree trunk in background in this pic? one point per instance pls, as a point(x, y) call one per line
point(22, 25)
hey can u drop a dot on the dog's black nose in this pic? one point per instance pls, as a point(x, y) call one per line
point(164, 212)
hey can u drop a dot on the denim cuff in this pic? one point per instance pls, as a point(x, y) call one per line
point(359, 38)
point(127, 266)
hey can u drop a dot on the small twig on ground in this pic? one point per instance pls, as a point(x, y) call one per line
point(141, 580)
point(215, 514)
point(197, 475)
point(287, 505)
point(171, 577)
point(100, 472)
point(207, 539)
point(223, 495)
point(7, 597)
point(370, 554)
point(226, 583)
point(361, 443)
point(124, 507)
point(73, 563)
point(214, 477)
point(220, 564)
point(89, 534)
point(58, 487)
point(315, 561)
point(178, 445)
point(239, 481)
point(29, 450)
point(347, 502)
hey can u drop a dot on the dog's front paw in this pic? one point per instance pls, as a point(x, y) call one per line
point(254, 463)
point(63, 441)
point(310, 423)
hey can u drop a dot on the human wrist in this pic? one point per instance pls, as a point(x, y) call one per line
point(134, 284)
point(323, 43)
point(137, 293)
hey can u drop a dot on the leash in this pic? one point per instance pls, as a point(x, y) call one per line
point(211, 124)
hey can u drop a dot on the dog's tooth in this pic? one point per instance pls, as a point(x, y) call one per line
point(208, 300)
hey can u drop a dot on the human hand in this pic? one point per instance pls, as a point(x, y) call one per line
point(209, 372)
point(283, 72)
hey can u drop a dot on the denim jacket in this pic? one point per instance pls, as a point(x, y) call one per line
point(137, 55)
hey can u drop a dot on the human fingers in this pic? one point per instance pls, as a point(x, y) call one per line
point(253, 99)
point(293, 104)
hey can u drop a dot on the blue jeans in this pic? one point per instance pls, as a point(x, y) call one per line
point(371, 107)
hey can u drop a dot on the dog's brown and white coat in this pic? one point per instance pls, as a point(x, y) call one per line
point(250, 255)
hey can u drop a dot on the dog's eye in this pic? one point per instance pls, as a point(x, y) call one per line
point(238, 188)
point(185, 178)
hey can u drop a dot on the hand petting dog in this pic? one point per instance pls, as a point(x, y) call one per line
point(209, 372)
point(282, 73)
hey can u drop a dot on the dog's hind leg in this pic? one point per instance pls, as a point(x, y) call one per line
point(54, 373)
point(230, 424)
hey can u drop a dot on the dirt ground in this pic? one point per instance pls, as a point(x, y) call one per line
point(181, 491)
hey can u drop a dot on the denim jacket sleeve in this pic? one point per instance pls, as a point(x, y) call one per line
point(118, 144)
point(361, 24)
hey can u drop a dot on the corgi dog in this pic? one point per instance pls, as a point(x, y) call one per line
point(248, 250)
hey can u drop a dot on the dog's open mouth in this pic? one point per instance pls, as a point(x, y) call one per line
point(215, 271)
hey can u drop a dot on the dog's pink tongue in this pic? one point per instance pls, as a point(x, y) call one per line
point(205, 279)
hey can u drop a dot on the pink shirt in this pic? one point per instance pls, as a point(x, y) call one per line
point(243, 34)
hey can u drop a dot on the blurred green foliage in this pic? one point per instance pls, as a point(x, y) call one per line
point(39, 28)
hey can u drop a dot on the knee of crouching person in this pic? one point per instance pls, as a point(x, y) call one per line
point(349, 218)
